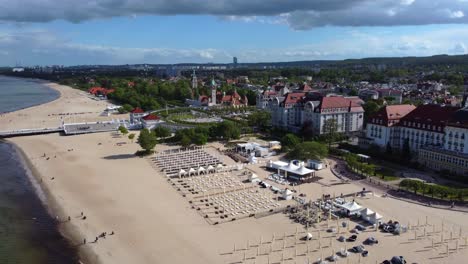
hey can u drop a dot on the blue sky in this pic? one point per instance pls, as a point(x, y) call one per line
point(68, 32)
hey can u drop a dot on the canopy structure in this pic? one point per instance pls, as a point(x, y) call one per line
point(211, 168)
point(351, 207)
point(253, 160)
point(252, 177)
point(287, 194)
point(191, 171)
point(375, 218)
point(182, 173)
point(290, 169)
point(201, 170)
point(367, 212)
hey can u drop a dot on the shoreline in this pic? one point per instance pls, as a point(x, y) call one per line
point(68, 231)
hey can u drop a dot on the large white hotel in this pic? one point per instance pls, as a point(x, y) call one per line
point(437, 135)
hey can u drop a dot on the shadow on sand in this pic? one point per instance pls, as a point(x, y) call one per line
point(120, 156)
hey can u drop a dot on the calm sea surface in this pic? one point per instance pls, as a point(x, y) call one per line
point(27, 233)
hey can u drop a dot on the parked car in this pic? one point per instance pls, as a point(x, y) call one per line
point(341, 239)
point(358, 249)
point(360, 227)
point(398, 260)
point(371, 241)
point(352, 238)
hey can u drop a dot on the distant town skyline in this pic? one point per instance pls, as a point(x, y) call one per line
point(164, 32)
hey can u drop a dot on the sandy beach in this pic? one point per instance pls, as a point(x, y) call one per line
point(97, 174)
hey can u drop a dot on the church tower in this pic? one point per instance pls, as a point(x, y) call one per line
point(213, 92)
point(194, 85)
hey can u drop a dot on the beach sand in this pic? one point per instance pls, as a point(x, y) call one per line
point(154, 224)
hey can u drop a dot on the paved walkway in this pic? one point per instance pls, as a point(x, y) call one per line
point(340, 170)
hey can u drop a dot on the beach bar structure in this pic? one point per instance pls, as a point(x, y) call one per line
point(292, 172)
point(350, 208)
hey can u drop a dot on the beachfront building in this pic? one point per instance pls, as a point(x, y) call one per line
point(291, 171)
point(312, 109)
point(436, 135)
point(151, 121)
point(136, 115)
point(453, 156)
point(381, 126)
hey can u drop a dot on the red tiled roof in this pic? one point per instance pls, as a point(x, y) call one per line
point(433, 115)
point(391, 113)
point(306, 88)
point(293, 98)
point(151, 117)
point(338, 102)
point(138, 110)
point(100, 90)
point(269, 93)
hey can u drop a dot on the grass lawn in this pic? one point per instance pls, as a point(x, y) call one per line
point(386, 174)
point(183, 116)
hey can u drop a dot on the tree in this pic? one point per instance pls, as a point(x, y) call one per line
point(388, 149)
point(185, 141)
point(309, 150)
point(147, 140)
point(406, 151)
point(260, 119)
point(307, 130)
point(123, 130)
point(131, 137)
point(162, 131)
point(330, 128)
point(227, 130)
point(289, 141)
point(370, 108)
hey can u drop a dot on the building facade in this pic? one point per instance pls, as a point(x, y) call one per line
point(436, 135)
point(381, 128)
point(298, 109)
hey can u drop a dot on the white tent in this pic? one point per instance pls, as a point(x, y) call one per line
point(211, 168)
point(191, 171)
point(375, 218)
point(201, 170)
point(219, 167)
point(182, 173)
point(303, 170)
point(351, 208)
point(252, 160)
point(367, 212)
point(252, 177)
point(287, 194)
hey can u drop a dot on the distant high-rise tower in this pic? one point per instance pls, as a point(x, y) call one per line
point(194, 84)
point(234, 61)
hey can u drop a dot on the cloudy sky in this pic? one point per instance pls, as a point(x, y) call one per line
point(71, 32)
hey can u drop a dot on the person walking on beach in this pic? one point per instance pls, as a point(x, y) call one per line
point(84, 241)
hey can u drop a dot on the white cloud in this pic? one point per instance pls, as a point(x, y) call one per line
point(42, 46)
point(299, 14)
point(460, 48)
point(457, 14)
point(407, 2)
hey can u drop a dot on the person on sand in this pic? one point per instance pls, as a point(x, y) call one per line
point(84, 241)
point(69, 218)
point(95, 240)
point(84, 217)
point(112, 233)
